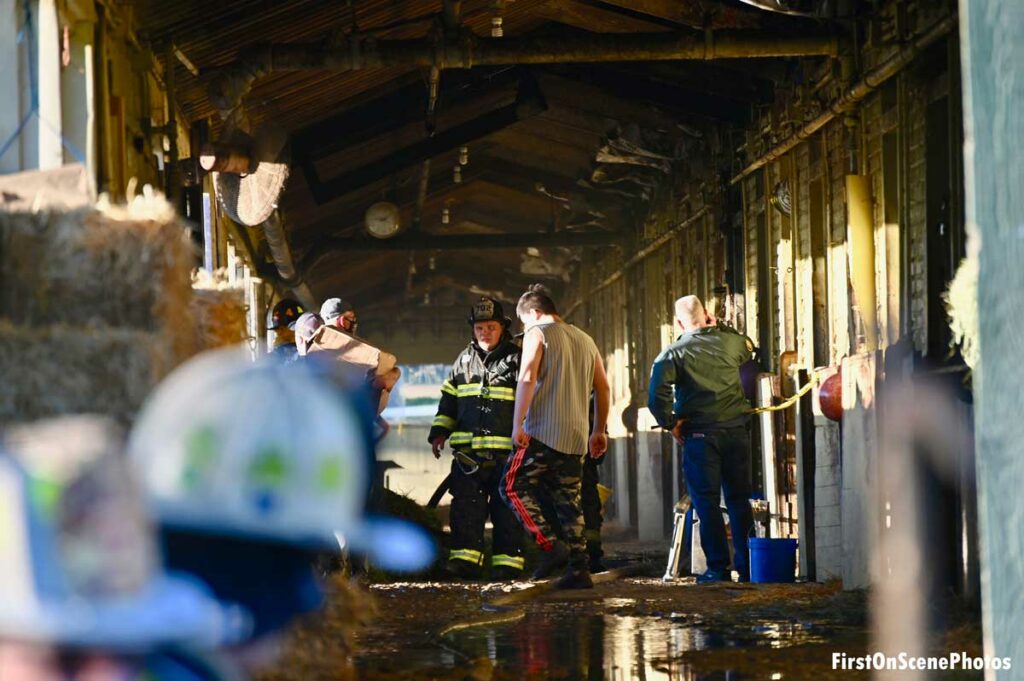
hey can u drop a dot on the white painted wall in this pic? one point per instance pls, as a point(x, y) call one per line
point(10, 83)
point(859, 479)
point(63, 96)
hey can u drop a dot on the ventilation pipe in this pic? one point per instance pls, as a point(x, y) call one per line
point(277, 242)
point(464, 50)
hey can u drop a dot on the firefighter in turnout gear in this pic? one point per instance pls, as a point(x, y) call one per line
point(475, 418)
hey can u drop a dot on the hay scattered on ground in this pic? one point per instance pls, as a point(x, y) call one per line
point(319, 646)
point(60, 369)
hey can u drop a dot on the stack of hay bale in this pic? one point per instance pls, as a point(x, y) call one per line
point(219, 309)
point(94, 306)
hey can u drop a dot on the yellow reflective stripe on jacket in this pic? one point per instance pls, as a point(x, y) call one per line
point(447, 387)
point(468, 555)
point(492, 442)
point(486, 392)
point(460, 438)
point(499, 393)
point(444, 421)
point(503, 560)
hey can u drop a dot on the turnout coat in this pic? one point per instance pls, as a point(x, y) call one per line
point(478, 399)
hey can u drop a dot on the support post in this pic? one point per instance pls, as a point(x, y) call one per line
point(765, 397)
point(44, 133)
point(78, 96)
point(805, 465)
point(993, 69)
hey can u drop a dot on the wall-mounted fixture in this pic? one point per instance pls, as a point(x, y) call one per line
point(383, 220)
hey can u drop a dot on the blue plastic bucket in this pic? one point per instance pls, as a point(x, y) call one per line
point(772, 560)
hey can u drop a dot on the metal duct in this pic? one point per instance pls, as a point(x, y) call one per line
point(277, 242)
point(871, 81)
point(466, 50)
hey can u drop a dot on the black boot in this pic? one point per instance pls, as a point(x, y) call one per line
point(596, 555)
point(575, 578)
point(504, 573)
point(552, 561)
point(462, 569)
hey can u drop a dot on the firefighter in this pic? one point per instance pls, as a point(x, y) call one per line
point(475, 418)
point(282, 323)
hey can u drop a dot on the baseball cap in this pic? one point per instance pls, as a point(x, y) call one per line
point(334, 308)
point(307, 324)
point(285, 313)
point(305, 329)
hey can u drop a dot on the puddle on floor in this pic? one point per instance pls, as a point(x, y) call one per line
point(592, 640)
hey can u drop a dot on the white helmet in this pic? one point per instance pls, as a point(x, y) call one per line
point(78, 555)
point(265, 450)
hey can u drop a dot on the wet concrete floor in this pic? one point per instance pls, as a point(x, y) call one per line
point(631, 628)
point(627, 627)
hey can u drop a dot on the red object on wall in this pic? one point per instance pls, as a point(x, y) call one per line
point(830, 397)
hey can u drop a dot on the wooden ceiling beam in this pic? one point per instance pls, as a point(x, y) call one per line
point(685, 103)
point(402, 107)
point(690, 13)
point(529, 102)
point(459, 242)
point(594, 18)
point(479, 182)
point(577, 95)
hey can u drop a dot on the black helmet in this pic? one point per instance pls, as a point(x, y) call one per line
point(488, 310)
point(285, 314)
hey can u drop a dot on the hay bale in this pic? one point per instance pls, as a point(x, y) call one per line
point(60, 369)
point(962, 307)
point(123, 267)
point(219, 311)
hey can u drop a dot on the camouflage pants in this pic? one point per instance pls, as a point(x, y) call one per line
point(536, 477)
point(591, 502)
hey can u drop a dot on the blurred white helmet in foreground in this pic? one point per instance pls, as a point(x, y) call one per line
point(78, 555)
point(270, 451)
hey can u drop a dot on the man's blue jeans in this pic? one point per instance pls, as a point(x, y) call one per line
point(714, 461)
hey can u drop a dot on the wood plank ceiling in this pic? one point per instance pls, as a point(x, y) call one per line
point(360, 136)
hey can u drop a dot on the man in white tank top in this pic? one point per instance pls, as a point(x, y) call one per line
point(560, 368)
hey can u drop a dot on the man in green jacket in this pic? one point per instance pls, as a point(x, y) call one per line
point(695, 392)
